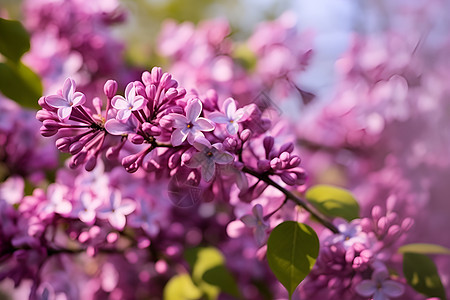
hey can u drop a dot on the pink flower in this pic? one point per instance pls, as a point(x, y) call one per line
point(191, 125)
point(57, 202)
point(131, 102)
point(231, 117)
point(208, 157)
point(66, 100)
point(256, 220)
point(89, 205)
point(349, 233)
point(116, 210)
point(380, 287)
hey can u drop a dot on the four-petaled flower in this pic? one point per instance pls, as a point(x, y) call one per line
point(191, 125)
point(131, 102)
point(88, 206)
point(116, 210)
point(256, 221)
point(65, 100)
point(231, 117)
point(349, 233)
point(380, 287)
point(208, 157)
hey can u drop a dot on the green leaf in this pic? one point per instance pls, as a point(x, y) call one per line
point(21, 84)
point(422, 248)
point(421, 273)
point(292, 250)
point(181, 287)
point(14, 39)
point(209, 272)
point(333, 201)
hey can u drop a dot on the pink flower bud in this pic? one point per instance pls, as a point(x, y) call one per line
point(245, 135)
point(288, 147)
point(263, 165)
point(48, 132)
point(110, 88)
point(174, 160)
point(285, 157)
point(136, 138)
point(91, 163)
point(76, 147)
point(156, 75)
point(51, 124)
point(146, 78)
point(288, 178)
point(294, 161)
point(275, 163)
point(268, 144)
point(63, 144)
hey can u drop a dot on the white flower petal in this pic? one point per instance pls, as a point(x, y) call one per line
point(204, 124)
point(78, 99)
point(119, 102)
point(117, 220)
point(64, 113)
point(193, 110)
point(56, 101)
point(177, 137)
point(229, 106)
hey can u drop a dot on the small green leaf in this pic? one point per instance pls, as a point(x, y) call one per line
point(421, 273)
point(20, 83)
point(333, 201)
point(209, 272)
point(181, 287)
point(14, 39)
point(292, 250)
point(245, 57)
point(422, 248)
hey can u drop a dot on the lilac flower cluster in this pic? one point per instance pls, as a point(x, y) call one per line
point(74, 39)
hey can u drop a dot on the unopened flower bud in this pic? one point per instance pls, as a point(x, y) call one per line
point(268, 144)
point(275, 163)
point(91, 163)
point(63, 144)
point(245, 135)
point(136, 138)
point(110, 88)
point(146, 78)
point(263, 165)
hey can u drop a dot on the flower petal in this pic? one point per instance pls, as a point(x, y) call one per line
point(232, 128)
point(204, 124)
point(249, 221)
point(193, 110)
point(130, 92)
point(56, 101)
point(78, 99)
point(201, 144)
point(208, 171)
point(138, 103)
point(68, 89)
point(192, 135)
point(223, 158)
point(260, 235)
point(258, 211)
point(127, 207)
point(229, 106)
point(197, 160)
point(392, 288)
point(177, 137)
point(218, 117)
point(116, 127)
point(123, 114)
point(180, 121)
point(366, 288)
point(117, 220)
point(379, 295)
point(119, 102)
point(64, 113)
